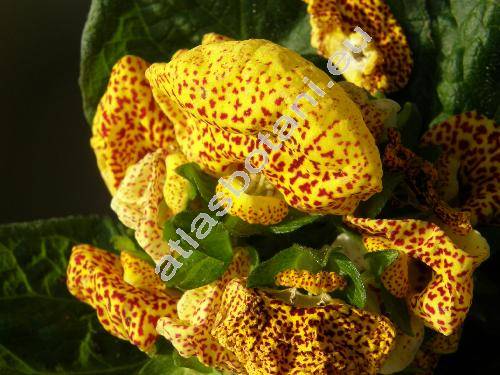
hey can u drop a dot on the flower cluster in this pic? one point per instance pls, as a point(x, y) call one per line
point(217, 105)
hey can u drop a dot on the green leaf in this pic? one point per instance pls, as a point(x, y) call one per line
point(154, 30)
point(295, 257)
point(130, 245)
point(44, 328)
point(302, 258)
point(174, 364)
point(355, 292)
point(380, 260)
point(240, 228)
point(455, 49)
point(202, 182)
point(294, 220)
point(208, 261)
point(192, 363)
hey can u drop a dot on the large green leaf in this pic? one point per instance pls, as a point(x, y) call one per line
point(154, 30)
point(455, 48)
point(42, 327)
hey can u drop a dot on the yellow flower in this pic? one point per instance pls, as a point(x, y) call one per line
point(469, 166)
point(139, 203)
point(444, 301)
point(128, 123)
point(189, 332)
point(379, 114)
point(128, 296)
point(384, 64)
point(222, 95)
point(269, 336)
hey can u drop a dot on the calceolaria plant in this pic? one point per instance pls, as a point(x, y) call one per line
point(277, 212)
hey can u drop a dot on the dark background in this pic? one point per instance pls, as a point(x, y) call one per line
point(47, 168)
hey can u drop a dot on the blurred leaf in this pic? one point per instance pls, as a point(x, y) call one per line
point(192, 363)
point(397, 310)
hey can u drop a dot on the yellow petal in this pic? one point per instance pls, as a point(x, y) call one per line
point(96, 277)
point(318, 283)
point(231, 91)
point(177, 191)
point(385, 63)
point(471, 158)
point(378, 114)
point(444, 302)
point(259, 204)
point(139, 273)
point(270, 337)
point(190, 333)
point(395, 277)
point(214, 38)
point(139, 203)
point(128, 123)
point(422, 177)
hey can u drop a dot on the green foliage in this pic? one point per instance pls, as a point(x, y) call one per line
point(454, 45)
point(355, 292)
point(208, 261)
point(302, 258)
point(43, 328)
point(294, 221)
